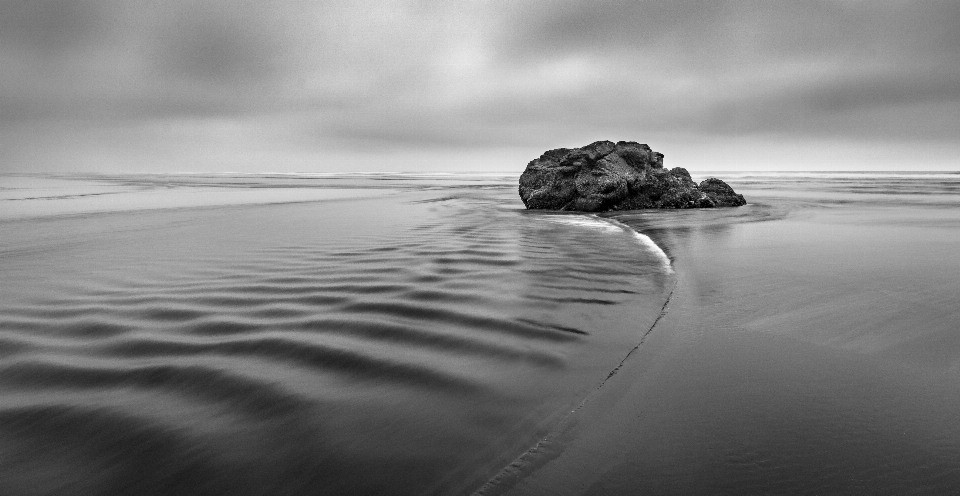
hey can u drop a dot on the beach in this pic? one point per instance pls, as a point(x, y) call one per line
point(425, 334)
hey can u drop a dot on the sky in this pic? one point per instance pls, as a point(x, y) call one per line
point(331, 86)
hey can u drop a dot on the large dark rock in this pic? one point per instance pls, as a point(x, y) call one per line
point(621, 176)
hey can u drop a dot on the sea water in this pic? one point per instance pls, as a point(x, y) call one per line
point(421, 333)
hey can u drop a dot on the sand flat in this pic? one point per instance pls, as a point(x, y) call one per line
point(410, 340)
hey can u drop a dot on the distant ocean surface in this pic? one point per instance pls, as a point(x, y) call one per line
point(425, 334)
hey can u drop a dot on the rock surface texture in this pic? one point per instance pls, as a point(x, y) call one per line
point(622, 176)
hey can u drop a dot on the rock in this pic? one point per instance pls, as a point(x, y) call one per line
point(721, 193)
point(622, 176)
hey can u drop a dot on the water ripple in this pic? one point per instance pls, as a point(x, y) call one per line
point(411, 342)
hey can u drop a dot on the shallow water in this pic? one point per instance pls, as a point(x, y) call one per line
point(811, 347)
point(299, 334)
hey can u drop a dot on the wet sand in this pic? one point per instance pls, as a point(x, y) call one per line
point(350, 335)
point(810, 347)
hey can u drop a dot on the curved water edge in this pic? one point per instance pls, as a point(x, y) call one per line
point(647, 243)
point(414, 343)
point(610, 224)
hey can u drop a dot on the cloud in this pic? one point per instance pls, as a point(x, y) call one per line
point(115, 59)
point(49, 28)
point(731, 67)
point(711, 35)
point(347, 76)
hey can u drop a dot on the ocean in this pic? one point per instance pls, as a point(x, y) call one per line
point(395, 333)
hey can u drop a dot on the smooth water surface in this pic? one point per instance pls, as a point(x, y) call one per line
point(811, 347)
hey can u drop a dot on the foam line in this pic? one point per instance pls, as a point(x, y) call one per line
point(612, 225)
point(646, 241)
point(591, 221)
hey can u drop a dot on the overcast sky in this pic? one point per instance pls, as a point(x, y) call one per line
point(209, 85)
